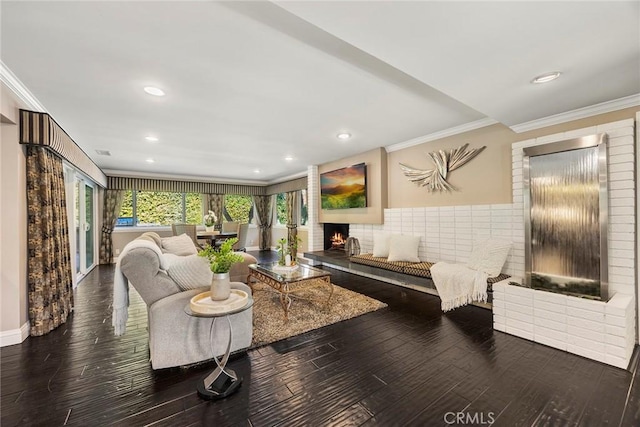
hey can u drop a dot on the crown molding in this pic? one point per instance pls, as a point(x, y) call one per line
point(287, 178)
point(580, 113)
point(150, 175)
point(19, 89)
point(442, 134)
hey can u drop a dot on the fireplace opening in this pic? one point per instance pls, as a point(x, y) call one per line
point(335, 236)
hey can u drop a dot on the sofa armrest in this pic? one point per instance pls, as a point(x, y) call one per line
point(141, 267)
point(240, 270)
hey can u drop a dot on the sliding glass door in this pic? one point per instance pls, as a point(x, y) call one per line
point(81, 208)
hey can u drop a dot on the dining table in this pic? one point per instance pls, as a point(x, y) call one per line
point(215, 238)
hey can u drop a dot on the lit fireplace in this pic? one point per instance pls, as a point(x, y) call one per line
point(335, 236)
point(337, 241)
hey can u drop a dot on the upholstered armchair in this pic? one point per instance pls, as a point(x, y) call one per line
point(176, 338)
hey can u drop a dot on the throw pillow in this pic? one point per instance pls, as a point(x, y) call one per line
point(189, 272)
point(381, 244)
point(489, 255)
point(154, 237)
point(404, 248)
point(179, 245)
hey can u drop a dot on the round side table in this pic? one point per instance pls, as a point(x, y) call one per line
point(222, 381)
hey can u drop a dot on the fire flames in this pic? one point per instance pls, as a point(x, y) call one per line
point(337, 240)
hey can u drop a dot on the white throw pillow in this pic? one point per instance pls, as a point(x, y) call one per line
point(179, 245)
point(489, 255)
point(189, 272)
point(381, 244)
point(404, 248)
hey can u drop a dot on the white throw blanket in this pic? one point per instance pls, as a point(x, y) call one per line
point(458, 285)
point(121, 286)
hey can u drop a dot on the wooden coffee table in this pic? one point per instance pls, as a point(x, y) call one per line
point(304, 277)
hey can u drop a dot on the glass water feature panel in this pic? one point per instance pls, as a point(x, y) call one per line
point(565, 222)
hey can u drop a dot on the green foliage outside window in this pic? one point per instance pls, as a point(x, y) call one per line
point(158, 208)
point(127, 205)
point(161, 208)
point(193, 208)
point(238, 208)
point(281, 208)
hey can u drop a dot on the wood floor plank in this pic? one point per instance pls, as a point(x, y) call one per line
point(407, 364)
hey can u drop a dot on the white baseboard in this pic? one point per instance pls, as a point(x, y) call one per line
point(14, 336)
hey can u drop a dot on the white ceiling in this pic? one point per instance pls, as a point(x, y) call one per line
point(249, 83)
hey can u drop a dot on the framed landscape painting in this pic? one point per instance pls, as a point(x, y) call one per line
point(344, 188)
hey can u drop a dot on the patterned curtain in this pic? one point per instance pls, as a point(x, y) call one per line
point(112, 203)
point(292, 225)
point(49, 260)
point(264, 216)
point(215, 203)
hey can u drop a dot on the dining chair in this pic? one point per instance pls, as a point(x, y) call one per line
point(230, 227)
point(189, 230)
point(240, 245)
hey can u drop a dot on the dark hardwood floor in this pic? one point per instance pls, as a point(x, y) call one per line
point(406, 365)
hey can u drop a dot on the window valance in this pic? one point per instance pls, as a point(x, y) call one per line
point(284, 187)
point(147, 184)
point(38, 128)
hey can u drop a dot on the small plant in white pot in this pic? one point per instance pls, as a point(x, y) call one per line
point(210, 220)
point(220, 261)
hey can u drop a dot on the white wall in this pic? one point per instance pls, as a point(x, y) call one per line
point(14, 325)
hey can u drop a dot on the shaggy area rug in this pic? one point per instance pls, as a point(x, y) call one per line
point(307, 312)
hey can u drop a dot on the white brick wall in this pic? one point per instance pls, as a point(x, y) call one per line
point(315, 230)
point(448, 232)
point(603, 331)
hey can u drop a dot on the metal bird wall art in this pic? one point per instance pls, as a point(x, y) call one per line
point(436, 179)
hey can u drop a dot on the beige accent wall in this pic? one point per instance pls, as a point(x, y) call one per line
point(278, 233)
point(486, 179)
point(376, 161)
point(13, 220)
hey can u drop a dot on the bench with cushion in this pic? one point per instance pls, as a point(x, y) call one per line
point(420, 269)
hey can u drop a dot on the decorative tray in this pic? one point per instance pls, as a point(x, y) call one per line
point(203, 304)
point(285, 269)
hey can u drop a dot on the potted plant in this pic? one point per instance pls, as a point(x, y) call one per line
point(210, 220)
point(220, 261)
point(293, 248)
point(283, 251)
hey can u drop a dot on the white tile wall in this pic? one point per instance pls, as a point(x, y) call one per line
point(447, 233)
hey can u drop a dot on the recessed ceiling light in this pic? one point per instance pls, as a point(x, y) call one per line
point(256, 171)
point(103, 152)
point(151, 90)
point(150, 161)
point(344, 136)
point(151, 138)
point(288, 158)
point(546, 77)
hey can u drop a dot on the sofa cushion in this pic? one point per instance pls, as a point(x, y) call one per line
point(369, 259)
point(152, 237)
point(179, 245)
point(189, 272)
point(404, 248)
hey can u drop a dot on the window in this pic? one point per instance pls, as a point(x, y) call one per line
point(238, 208)
point(281, 209)
point(147, 208)
point(302, 209)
